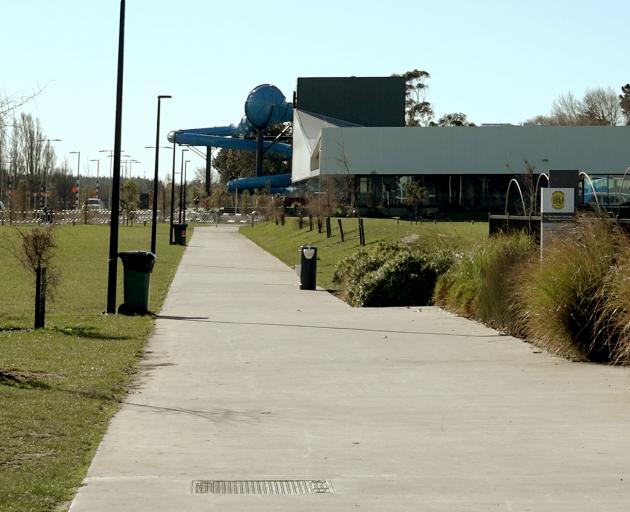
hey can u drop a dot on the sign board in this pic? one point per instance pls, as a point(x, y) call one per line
point(557, 206)
point(557, 201)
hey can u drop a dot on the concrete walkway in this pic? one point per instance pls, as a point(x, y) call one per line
point(246, 378)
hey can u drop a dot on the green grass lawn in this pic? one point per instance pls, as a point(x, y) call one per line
point(284, 241)
point(59, 386)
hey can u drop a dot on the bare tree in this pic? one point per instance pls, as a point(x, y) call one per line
point(414, 195)
point(15, 157)
point(566, 110)
point(11, 104)
point(36, 153)
point(599, 107)
point(349, 178)
point(4, 164)
point(624, 102)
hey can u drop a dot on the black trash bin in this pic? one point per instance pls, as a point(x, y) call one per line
point(308, 267)
point(138, 266)
point(179, 231)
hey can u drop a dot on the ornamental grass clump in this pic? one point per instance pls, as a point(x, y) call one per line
point(480, 282)
point(572, 301)
point(615, 296)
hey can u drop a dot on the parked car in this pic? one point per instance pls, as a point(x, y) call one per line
point(94, 203)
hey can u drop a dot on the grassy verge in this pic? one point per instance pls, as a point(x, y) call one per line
point(60, 386)
point(284, 241)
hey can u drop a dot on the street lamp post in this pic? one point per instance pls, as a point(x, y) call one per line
point(113, 234)
point(78, 153)
point(98, 165)
point(111, 162)
point(181, 185)
point(155, 175)
point(171, 239)
point(184, 191)
point(131, 162)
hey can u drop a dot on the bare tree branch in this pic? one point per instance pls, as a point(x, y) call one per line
point(9, 104)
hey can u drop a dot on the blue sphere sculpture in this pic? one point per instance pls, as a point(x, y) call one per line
point(266, 105)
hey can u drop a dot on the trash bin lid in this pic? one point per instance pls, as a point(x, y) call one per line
point(140, 261)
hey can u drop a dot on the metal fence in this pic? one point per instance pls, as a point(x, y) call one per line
point(95, 217)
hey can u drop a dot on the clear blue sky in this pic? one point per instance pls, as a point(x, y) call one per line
point(496, 61)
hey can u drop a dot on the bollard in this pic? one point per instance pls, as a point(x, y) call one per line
point(308, 267)
point(328, 231)
point(340, 230)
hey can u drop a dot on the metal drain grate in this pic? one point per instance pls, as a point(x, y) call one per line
point(295, 487)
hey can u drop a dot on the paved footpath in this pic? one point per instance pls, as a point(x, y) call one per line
point(248, 379)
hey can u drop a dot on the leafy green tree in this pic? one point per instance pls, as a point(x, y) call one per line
point(454, 119)
point(233, 163)
point(418, 111)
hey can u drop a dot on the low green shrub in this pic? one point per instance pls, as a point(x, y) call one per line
point(479, 282)
point(389, 274)
point(351, 268)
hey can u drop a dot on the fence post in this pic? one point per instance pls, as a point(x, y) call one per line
point(328, 231)
point(340, 229)
point(361, 232)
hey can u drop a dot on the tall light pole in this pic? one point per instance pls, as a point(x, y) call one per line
point(131, 162)
point(127, 166)
point(113, 234)
point(184, 191)
point(43, 188)
point(171, 239)
point(111, 164)
point(155, 175)
point(98, 166)
point(78, 153)
point(181, 185)
point(157, 147)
